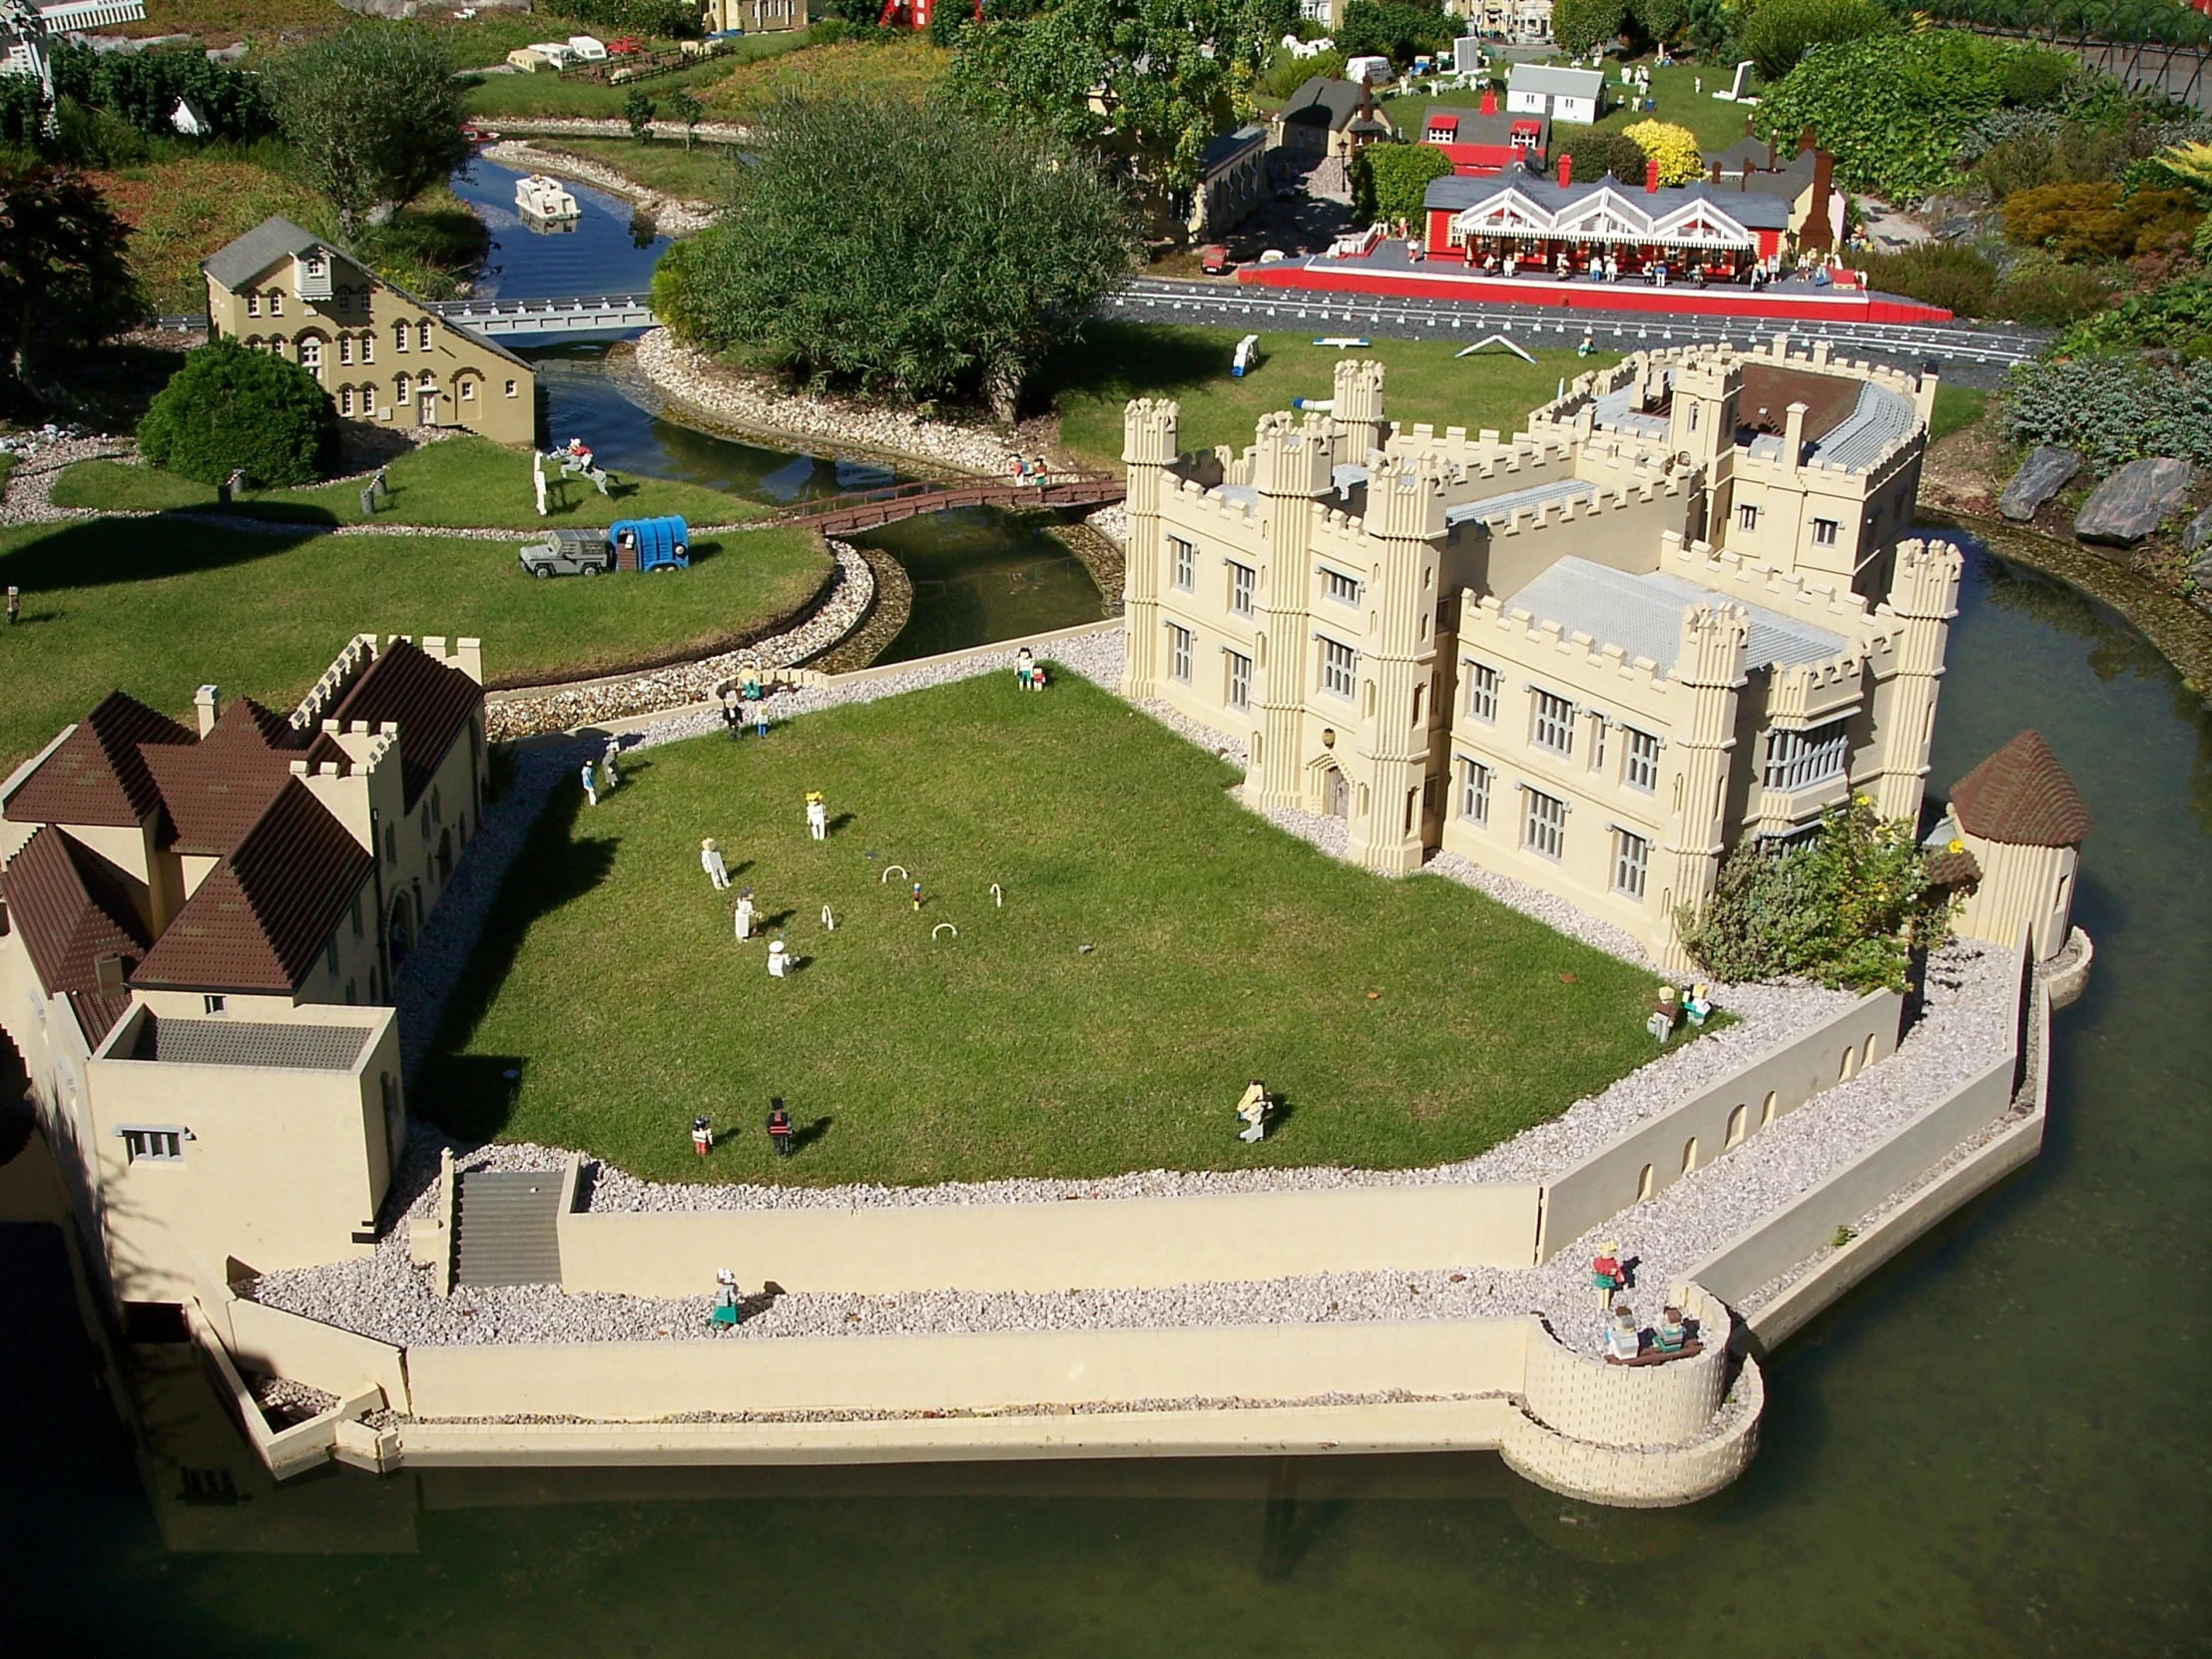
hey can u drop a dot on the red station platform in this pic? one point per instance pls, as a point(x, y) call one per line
point(1387, 272)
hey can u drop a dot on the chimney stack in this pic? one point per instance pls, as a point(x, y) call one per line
point(1566, 171)
point(1651, 177)
point(208, 701)
point(1793, 436)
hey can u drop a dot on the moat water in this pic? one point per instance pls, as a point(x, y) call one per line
point(1992, 1449)
point(977, 575)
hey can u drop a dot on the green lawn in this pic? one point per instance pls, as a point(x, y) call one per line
point(156, 607)
point(518, 97)
point(1956, 409)
point(664, 165)
point(1117, 362)
point(1158, 947)
point(461, 483)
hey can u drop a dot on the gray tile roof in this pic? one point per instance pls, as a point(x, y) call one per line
point(1532, 498)
point(264, 1044)
point(1643, 614)
point(1753, 209)
point(1324, 98)
point(1227, 146)
point(238, 261)
point(1556, 80)
point(1879, 419)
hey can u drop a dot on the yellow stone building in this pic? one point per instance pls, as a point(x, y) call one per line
point(197, 945)
point(1674, 612)
point(382, 356)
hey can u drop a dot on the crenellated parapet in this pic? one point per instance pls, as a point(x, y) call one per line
point(327, 692)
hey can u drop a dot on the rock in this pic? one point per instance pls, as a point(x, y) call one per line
point(2043, 475)
point(2198, 533)
point(2127, 506)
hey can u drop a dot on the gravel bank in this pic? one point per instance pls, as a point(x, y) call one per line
point(692, 378)
point(387, 1296)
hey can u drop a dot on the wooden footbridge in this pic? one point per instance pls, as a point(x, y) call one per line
point(845, 515)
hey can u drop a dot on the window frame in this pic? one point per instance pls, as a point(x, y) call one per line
point(1339, 661)
point(1484, 685)
point(1631, 863)
point(1342, 589)
point(1475, 780)
point(1640, 753)
point(153, 1143)
point(1180, 644)
point(1236, 685)
point(1243, 587)
point(1826, 530)
point(1791, 757)
point(1746, 517)
point(1551, 722)
point(1182, 564)
point(1539, 825)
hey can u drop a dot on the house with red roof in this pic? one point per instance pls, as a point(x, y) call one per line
point(199, 932)
point(1485, 140)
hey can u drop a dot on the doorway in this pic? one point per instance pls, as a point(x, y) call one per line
point(1336, 793)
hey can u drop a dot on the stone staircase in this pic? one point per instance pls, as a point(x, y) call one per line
point(504, 1231)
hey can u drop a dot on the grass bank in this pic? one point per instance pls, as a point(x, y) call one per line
point(157, 606)
point(461, 483)
point(1089, 383)
point(664, 165)
point(902, 71)
point(1157, 949)
point(546, 94)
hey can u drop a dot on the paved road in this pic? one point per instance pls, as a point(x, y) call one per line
point(1970, 354)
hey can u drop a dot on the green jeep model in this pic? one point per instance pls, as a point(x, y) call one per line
point(566, 552)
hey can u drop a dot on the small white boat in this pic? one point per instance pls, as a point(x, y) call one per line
point(538, 197)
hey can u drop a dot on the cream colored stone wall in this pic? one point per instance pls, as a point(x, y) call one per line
point(283, 1167)
point(2020, 887)
point(642, 1380)
point(1655, 1154)
point(1638, 1478)
point(277, 1343)
point(1111, 1244)
point(369, 339)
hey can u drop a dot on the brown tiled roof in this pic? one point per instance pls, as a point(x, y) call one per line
point(72, 908)
point(216, 788)
point(430, 702)
point(1952, 869)
point(98, 775)
point(259, 918)
point(2022, 796)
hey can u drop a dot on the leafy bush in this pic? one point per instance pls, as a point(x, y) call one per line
point(1285, 74)
point(1848, 909)
point(142, 89)
point(1394, 29)
point(1389, 181)
point(1579, 25)
point(2084, 221)
point(1894, 108)
point(2043, 290)
point(2112, 408)
point(1598, 153)
point(376, 115)
point(2035, 78)
point(1936, 273)
point(668, 18)
point(1673, 148)
point(2176, 314)
point(1659, 20)
point(229, 408)
point(1780, 32)
point(904, 252)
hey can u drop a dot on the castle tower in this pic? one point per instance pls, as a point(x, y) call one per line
point(1148, 449)
point(1358, 407)
point(1404, 524)
point(2020, 820)
point(1923, 595)
point(1709, 667)
point(1291, 469)
point(1701, 424)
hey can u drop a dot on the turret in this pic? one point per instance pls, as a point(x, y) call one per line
point(1923, 595)
point(1148, 449)
point(1397, 690)
point(1358, 406)
point(1709, 669)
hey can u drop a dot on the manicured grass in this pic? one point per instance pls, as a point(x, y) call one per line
point(1219, 949)
point(1956, 409)
point(546, 94)
point(156, 607)
point(664, 165)
point(1424, 382)
point(902, 71)
point(461, 483)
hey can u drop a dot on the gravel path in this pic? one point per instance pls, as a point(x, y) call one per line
point(386, 1296)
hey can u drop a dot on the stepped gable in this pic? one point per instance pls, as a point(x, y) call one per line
point(98, 773)
point(259, 920)
point(72, 908)
point(430, 702)
point(2022, 796)
point(216, 788)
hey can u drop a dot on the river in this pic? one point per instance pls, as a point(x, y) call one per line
point(977, 575)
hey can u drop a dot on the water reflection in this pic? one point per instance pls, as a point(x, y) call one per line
point(607, 249)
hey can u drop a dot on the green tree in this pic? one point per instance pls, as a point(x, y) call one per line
point(1658, 20)
point(1780, 32)
point(64, 275)
point(682, 106)
point(1146, 82)
point(1394, 29)
point(1389, 181)
point(375, 114)
point(1595, 152)
point(638, 110)
point(1579, 25)
point(1848, 909)
point(903, 253)
point(231, 410)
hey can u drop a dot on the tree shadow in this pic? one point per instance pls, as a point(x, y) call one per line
point(1115, 360)
point(96, 553)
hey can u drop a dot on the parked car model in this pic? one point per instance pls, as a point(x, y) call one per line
point(1214, 260)
point(566, 552)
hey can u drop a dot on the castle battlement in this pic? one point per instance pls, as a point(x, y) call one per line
point(337, 681)
point(1823, 604)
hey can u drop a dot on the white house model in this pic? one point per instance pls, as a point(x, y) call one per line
point(1576, 95)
